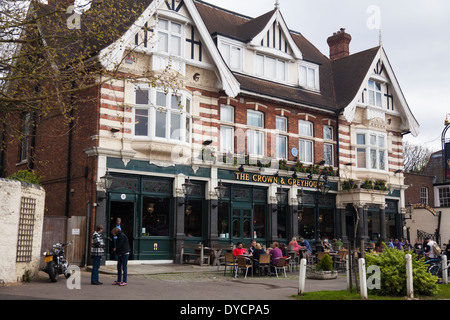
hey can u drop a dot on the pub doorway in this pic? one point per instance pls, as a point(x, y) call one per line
point(126, 212)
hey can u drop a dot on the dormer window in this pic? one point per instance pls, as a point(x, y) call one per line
point(308, 76)
point(270, 68)
point(232, 53)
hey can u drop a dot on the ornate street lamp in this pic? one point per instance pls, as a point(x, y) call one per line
point(107, 180)
point(188, 187)
point(281, 195)
point(221, 190)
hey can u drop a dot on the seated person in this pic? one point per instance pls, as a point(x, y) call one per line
point(275, 253)
point(284, 250)
point(293, 244)
point(253, 246)
point(239, 250)
point(327, 246)
point(257, 252)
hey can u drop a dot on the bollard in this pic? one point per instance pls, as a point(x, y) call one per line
point(302, 277)
point(362, 278)
point(409, 277)
point(444, 269)
point(347, 271)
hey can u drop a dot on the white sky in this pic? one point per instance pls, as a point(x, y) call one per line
point(416, 38)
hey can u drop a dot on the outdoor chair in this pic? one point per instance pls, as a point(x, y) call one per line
point(294, 260)
point(281, 264)
point(264, 262)
point(229, 262)
point(242, 264)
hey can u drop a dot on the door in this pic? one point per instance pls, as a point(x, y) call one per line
point(242, 225)
point(124, 211)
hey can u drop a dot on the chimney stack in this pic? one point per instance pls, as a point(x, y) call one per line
point(339, 44)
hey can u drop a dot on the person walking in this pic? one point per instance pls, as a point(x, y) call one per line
point(122, 250)
point(97, 251)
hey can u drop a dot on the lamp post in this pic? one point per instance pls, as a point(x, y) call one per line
point(321, 189)
point(106, 181)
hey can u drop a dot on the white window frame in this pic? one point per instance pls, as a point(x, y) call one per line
point(306, 123)
point(368, 148)
point(229, 109)
point(185, 101)
point(171, 34)
point(280, 65)
point(255, 136)
point(424, 195)
point(373, 92)
point(330, 128)
point(303, 156)
point(224, 147)
point(285, 149)
point(234, 48)
point(331, 146)
point(304, 76)
point(440, 191)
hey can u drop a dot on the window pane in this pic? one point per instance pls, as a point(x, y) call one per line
point(141, 96)
point(361, 139)
point(193, 218)
point(163, 42)
point(270, 68)
point(155, 216)
point(175, 28)
point(373, 139)
point(305, 150)
point(378, 102)
point(175, 45)
point(311, 78)
point(175, 126)
point(259, 65)
point(328, 133)
point(328, 154)
point(372, 98)
point(254, 119)
point(188, 129)
point(235, 58)
point(226, 139)
point(381, 159)
point(361, 157)
point(305, 128)
point(281, 123)
point(140, 122)
point(225, 50)
point(381, 141)
point(174, 102)
point(161, 99)
point(160, 127)
point(163, 25)
point(226, 113)
point(259, 220)
point(302, 76)
point(259, 143)
point(281, 70)
point(373, 159)
point(281, 147)
point(187, 107)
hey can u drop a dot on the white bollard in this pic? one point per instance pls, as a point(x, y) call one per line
point(347, 271)
point(444, 269)
point(362, 278)
point(409, 277)
point(302, 277)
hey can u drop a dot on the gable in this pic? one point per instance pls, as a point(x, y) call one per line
point(366, 79)
point(195, 44)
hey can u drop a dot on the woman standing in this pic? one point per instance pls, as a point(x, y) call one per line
point(122, 250)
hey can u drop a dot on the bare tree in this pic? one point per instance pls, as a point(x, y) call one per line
point(50, 52)
point(415, 157)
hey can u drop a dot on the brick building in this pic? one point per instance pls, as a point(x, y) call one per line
point(261, 111)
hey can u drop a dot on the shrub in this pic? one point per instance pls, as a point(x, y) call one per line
point(326, 263)
point(392, 264)
point(26, 176)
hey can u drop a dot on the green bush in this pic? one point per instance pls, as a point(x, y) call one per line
point(326, 263)
point(392, 264)
point(26, 176)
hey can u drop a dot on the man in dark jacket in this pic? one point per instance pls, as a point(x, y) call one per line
point(122, 250)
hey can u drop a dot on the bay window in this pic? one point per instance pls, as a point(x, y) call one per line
point(371, 151)
point(375, 94)
point(161, 115)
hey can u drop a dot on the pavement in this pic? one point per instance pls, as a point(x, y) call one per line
point(181, 284)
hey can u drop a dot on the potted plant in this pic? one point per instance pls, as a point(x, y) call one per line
point(381, 185)
point(367, 184)
point(324, 270)
point(349, 185)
